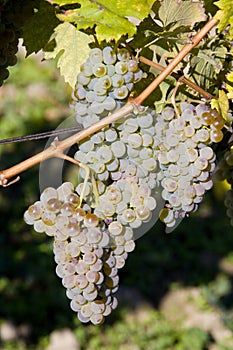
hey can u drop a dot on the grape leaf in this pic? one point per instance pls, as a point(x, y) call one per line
point(169, 23)
point(38, 28)
point(71, 50)
point(110, 19)
point(221, 104)
point(225, 15)
point(207, 62)
point(174, 14)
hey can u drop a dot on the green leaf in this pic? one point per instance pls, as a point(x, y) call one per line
point(175, 13)
point(38, 28)
point(207, 62)
point(111, 19)
point(71, 50)
point(221, 104)
point(225, 15)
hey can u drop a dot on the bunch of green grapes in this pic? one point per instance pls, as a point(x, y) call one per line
point(168, 154)
point(134, 171)
point(88, 250)
point(186, 157)
point(106, 78)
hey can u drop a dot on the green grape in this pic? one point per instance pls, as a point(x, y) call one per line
point(99, 70)
point(86, 69)
point(109, 56)
point(121, 92)
point(117, 80)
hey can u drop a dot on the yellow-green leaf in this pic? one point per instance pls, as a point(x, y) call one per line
point(225, 15)
point(71, 50)
point(175, 13)
point(111, 19)
point(221, 104)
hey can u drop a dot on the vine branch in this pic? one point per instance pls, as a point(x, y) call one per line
point(172, 65)
point(181, 79)
point(129, 107)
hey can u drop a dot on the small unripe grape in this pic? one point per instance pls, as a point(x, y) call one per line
point(132, 66)
point(208, 118)
point(214, 113)
point(96, 55)
point(216, 135)
point(54, 204)
point(218, 123)
point(74, 199)
point(91, 220)
point(105, 82)
point(121, 68)
point(121, 92)
point(35, 211)
point(86, 69)
point(67, 209)
point(80, 214)
point(99, 70)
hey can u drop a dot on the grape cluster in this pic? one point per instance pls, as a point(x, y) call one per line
point(147, 162)
point(186, 159)
point(105, 79)
point(163, 152)
point(133, 171)
point(124, 150)
point(88, 250)
point(9, 36)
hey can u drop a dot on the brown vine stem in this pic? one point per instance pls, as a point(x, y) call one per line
point(181, 79)
point(168, 70)
point(56, 148)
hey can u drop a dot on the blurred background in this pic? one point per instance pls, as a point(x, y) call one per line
point(176, 290)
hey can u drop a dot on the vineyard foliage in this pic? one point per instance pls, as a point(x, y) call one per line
point(151, 87)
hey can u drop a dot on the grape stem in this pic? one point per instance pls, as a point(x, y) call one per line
point(172, 65)
point(81, 165)
point(173, 98)
point(129, 107)
point(181, 79)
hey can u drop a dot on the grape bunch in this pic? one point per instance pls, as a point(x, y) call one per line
point(105, 79)
point(88, 250)
point(186, 157)
point(9, 36)
point(133, 171)
point(162, 153)
point(149, 163)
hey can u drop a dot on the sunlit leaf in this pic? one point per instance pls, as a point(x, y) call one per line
point(111, 19)
point(71, 50)
point(221, 104)
point(175, 13)
point(225, 15)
